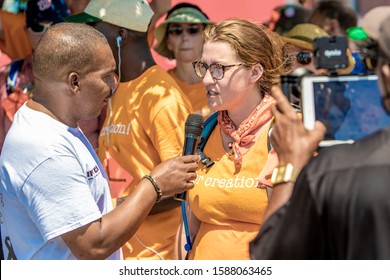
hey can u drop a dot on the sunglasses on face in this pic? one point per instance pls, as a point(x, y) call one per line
point(217, 70)
point(177, 30)
point(304, 58)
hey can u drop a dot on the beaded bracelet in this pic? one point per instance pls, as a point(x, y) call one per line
point(156, 187)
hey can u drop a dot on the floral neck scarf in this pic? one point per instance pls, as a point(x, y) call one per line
point(244, 136)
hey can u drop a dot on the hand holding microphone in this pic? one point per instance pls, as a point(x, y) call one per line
point(193, 128)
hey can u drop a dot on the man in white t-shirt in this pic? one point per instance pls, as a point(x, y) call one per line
point(54, 197)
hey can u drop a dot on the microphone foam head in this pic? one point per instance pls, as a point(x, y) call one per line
point(194, 124)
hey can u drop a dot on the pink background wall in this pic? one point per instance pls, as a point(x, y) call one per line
point(255, 10)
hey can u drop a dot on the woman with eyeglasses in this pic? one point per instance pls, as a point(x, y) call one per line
point(179, 37)
point(240, 63)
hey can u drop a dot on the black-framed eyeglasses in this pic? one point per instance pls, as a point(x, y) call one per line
point(177, 30)
point(217, 70)
point(304, 58)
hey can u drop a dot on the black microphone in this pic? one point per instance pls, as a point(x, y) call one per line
point(193, 128)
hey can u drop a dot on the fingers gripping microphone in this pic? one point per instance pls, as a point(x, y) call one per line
point(193, 129)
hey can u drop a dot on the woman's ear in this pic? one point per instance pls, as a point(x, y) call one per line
point(256, 72)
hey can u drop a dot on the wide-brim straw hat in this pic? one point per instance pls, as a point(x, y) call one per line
point(303, 35)
point(181, 15)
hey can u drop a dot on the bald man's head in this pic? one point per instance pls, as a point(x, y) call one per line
point(64, 48)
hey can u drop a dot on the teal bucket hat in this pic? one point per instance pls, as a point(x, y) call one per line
point(181, 15)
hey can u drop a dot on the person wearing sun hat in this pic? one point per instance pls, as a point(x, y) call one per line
point(181, 13)
point(179, 37)
point(301, 38)
point(144, 124)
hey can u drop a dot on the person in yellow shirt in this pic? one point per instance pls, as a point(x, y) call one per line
point(240, 63)
point(144, 122)
point(179, 37)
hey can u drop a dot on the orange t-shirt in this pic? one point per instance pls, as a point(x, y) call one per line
point(229, 204)
point(196, 94)
point(16, 43)
point(145, 127)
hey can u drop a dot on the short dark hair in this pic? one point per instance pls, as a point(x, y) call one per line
point(67, 47)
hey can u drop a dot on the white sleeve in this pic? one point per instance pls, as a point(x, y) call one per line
point(58, 198)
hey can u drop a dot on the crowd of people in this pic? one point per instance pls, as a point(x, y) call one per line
point(92, 134)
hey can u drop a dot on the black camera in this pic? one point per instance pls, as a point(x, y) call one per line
point(330, 52)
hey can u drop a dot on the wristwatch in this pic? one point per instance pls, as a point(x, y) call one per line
point(284, 173)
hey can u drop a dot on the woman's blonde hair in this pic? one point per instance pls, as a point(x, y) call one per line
point(253, 44)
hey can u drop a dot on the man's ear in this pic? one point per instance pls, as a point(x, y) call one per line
point(74, 82)
point(256, 72)
point(123, 36)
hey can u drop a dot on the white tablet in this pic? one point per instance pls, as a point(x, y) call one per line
point(349, 106)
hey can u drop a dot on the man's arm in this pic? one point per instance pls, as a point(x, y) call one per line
point(101, 238)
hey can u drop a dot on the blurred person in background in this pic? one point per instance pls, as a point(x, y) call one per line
point(285, 17)
point(179, 37)
point(300, 57)
point(14, 40)
point(300, 48)
point(336, 18)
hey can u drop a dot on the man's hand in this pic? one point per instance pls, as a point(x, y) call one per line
point(176, 175)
